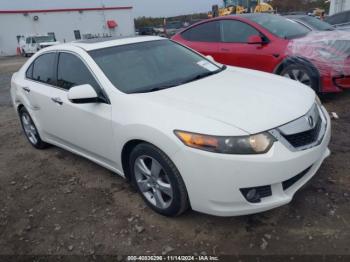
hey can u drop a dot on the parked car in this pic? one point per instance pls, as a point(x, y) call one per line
point(277, 45)
point(170, 28)
point(173, 27)
point(31, 44)
point(186, 131)
point(311, 22)
point(340, 20)
point(146, 31)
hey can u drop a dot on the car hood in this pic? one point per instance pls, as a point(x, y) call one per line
point(246, 99)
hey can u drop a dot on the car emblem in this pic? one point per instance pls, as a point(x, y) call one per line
point(311, 121)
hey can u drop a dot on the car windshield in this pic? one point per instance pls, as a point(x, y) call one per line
point(317, 23)
point(151, 66)
point(280, 26)
point(41, 39)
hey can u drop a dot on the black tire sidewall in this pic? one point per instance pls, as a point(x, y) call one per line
point(180, 200)
point(309, 70)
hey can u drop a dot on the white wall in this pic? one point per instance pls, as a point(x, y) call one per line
point(62, 24)
point(339, 6)
point(59, 4)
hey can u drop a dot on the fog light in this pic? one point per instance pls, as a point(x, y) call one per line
point(255, 194)
point(251, 195)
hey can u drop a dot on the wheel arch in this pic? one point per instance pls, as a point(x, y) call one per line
point(136, 134)
point(125, 154)
point(292, 60)
point(19, 107)
point(302, 61)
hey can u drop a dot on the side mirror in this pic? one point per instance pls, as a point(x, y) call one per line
point(255, 39)
point(83, 94)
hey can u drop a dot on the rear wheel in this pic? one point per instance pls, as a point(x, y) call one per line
point(303, 74)
point(158, 180)
point(30, 130)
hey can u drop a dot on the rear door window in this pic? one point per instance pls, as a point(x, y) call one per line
point(207, 32)
point(29, 72)
point(43, 69)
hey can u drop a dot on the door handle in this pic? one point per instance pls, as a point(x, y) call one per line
point(225, 50)
point(26, 89)
point(57, 100)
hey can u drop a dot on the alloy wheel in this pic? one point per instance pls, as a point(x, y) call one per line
point(153, 182)
point(299, 75)
point(29, 128)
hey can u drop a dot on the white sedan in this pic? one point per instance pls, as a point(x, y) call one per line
point(186, 131)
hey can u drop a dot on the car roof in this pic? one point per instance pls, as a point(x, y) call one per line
point(99, 43)
point(295, 16)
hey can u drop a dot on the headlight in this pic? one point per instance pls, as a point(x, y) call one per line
point(254, 144)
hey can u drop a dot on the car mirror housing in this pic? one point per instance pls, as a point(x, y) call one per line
point(83, 94)
point(255, 39)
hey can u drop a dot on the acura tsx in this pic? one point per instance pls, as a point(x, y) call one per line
point(185, 130)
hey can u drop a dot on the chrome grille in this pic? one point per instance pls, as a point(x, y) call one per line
point(304, 132)
point(305, 138)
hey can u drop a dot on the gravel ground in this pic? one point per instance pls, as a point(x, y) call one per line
point(54, 202)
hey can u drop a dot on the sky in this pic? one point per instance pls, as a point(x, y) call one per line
point(161, 8)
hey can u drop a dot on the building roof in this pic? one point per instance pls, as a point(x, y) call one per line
point(25, 6)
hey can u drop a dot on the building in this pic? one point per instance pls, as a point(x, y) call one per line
point(66, 20)
point(339, 6)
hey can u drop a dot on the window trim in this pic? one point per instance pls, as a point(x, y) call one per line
point(235, 20)
point(32, 64)
point(266, 40)
point(88, 68)
point(195, 26)
point(56, 52)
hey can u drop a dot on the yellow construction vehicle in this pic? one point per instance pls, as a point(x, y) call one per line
point(263, 8)
point(318, 12)
point(232, 7)
point(228, 9)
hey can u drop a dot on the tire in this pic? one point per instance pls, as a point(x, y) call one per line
point(30, 130)
point(157, 180)
point(305, 74)
point(24, 54)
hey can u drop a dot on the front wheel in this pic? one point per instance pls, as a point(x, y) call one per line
point(158, 180)
point(30, 130)
point(303, 74)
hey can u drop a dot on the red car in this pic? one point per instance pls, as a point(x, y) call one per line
point(277, 45)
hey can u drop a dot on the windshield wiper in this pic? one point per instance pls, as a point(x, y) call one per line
point(177, 83)
point(157, 88)
point(203, 75)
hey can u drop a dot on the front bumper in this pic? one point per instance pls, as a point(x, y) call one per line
point(214, 181)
